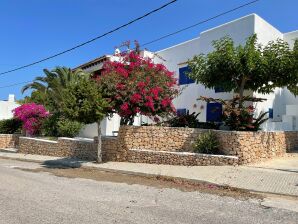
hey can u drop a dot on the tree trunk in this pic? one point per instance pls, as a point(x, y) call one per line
point(241, 91)
point(99, 153)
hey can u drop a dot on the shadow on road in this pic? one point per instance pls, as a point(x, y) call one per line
point(63, 163)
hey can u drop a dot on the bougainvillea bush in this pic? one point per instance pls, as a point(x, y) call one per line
point(32, 116)
point(135, 85)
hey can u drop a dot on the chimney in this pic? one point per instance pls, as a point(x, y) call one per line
point(11, 98)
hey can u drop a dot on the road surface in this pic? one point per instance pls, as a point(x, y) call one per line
point(40, 197)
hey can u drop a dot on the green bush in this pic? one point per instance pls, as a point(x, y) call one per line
point(10, 126)
point(186, 120)
point(68, 128)
point(50, 126)
point(208, 125)
point(207, 143)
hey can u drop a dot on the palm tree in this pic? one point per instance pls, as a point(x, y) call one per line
point(52, 84)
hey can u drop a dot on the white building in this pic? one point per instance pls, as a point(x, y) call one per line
point(6, 107)
point(283, 105)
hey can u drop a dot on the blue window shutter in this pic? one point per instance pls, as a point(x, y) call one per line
point(270, 113)
point(214, 112)
point(183, 78)
point(181, 112)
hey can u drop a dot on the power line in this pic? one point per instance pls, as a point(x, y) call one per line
point(15, 84)
point(199, 23)
point(173, 33)
point(91, 40)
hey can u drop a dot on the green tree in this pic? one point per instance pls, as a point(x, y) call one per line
point(250, 67)
point(83, 102)
point(136, 85)
point(35, 97)
point(49, 88)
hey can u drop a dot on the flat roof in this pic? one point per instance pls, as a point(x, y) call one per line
point(93, 62)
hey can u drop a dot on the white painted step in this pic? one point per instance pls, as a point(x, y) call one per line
point(10, 150)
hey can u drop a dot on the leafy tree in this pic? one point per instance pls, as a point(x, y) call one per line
point(136, 85)
point(83, 102)
point(49, 87)
point(249, 67)
point(35, 97)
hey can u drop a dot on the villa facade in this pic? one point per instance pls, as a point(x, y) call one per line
point(281, 104)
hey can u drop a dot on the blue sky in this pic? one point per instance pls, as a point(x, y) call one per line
point(34, 29)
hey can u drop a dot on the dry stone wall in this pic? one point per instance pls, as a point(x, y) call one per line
point(9, 141)
point(179, 158)
point(163, 145)
point(255, 146)
point(64, 147)
point(247, 146)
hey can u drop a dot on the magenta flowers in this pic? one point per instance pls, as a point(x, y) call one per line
point(32, 116)
point(137, 85)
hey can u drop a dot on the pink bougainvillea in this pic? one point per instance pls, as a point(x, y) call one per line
point(136, 85)
point(32, 116)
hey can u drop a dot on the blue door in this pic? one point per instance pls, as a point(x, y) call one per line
point(214, 112)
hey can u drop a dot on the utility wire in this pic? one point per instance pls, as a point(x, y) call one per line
point(15, 84)
point(91, 40)
point(199, 23)
point(171, 34)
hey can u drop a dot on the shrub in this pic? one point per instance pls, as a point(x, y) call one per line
point(10, 126)
point(68, 128)
point(32, 116)
point(239, 117)
point(135, 85)
point(207, 143)
point(186, 120)
point(208, 125)
point(50, 126)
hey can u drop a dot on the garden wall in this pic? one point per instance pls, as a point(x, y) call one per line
point(9, 141)
point(85, 149)
point(164, 145)
point(64, 147)
point(161, 145)
point(247, 146)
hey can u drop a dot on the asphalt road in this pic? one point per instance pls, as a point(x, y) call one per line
point(39, 197)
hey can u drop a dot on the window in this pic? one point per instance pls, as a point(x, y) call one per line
point(183, 78)
point(270, 113)
point(181, 112)
point(219, 89)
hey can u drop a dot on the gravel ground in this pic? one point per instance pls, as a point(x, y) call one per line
point(41, 197)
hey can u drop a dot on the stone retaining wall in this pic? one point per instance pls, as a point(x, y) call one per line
point(179, 158)
point(9, 141)
point(164, 145)
point(255, 146)
point(247, 146)
point(64, 147)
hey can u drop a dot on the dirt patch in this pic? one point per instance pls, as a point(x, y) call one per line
point(152, 181)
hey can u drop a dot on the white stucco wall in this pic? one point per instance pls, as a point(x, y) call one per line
point(281, 97)
point(239, 30)
point(6, 107)
point(291, 37)
point(177, 56)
